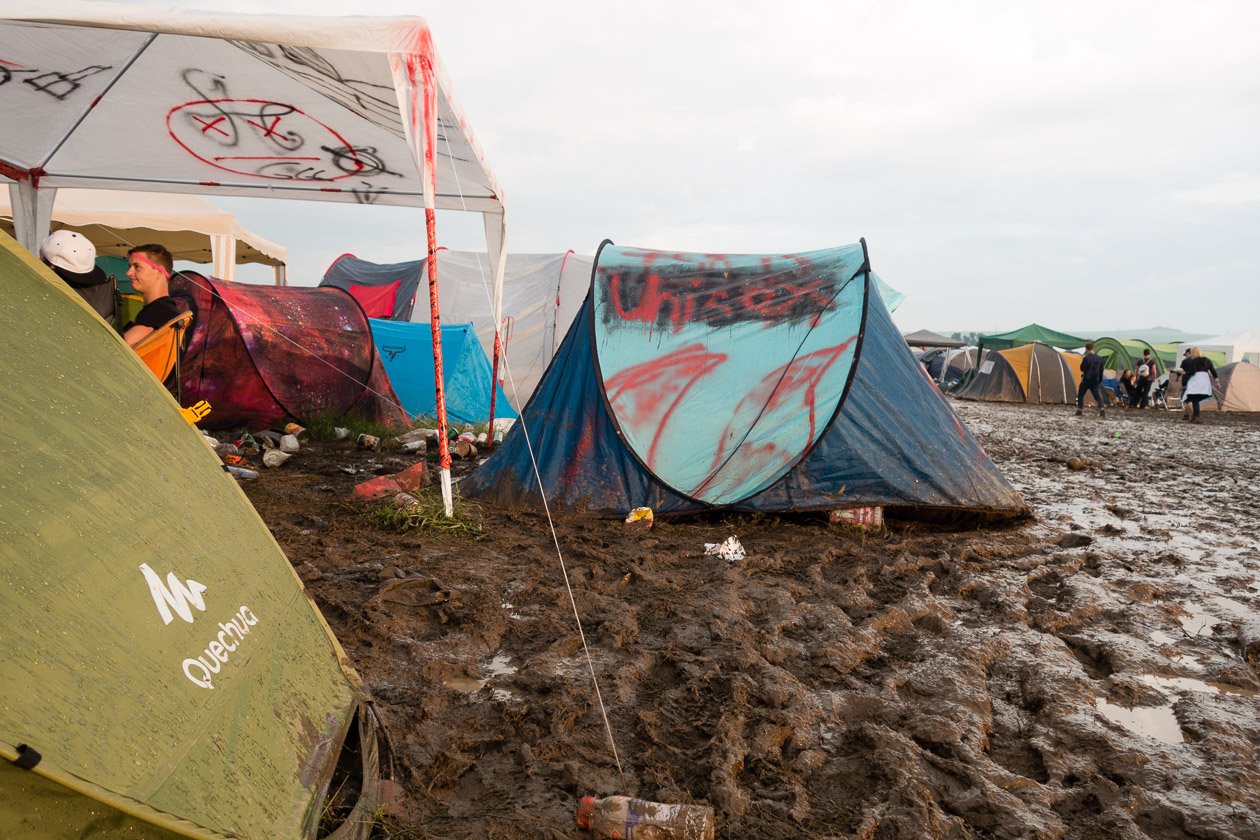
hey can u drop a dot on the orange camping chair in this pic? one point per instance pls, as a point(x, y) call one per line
point(160, 349)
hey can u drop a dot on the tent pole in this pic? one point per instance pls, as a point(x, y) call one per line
point(435, 326)
point(494, 385)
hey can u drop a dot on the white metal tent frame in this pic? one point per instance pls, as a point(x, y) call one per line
point(352, 109)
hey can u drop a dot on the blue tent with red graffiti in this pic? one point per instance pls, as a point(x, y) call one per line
point(743, 382)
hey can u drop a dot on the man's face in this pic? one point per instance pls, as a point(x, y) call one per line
point(144, 276)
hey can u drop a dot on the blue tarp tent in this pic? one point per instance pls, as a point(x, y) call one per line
point(406, 348)
point(776, 382)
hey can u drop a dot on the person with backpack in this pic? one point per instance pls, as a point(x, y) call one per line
point(1091, 380)
point(1147, 372)
point(72, 257)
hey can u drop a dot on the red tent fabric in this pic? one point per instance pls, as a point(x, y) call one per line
point(377, 301)
point(263, 354)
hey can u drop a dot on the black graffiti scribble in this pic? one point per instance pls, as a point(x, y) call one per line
point(57, 84)
point(372, 101)
point(269, 139)
point(392, 352)
point(358, 160)
point(368, 193)
point(673, 296)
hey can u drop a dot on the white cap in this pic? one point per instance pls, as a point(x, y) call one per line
point(69, 250)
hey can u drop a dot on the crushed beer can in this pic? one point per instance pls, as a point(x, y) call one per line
point(859, 517)
point(366, 441)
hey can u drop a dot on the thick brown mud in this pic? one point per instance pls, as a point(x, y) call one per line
point(1090, 673)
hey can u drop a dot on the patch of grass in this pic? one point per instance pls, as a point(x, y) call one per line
point(322, 427)
point(428, 513)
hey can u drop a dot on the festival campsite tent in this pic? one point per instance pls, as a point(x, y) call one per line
point(164, 673)
point(755, 382)
point(541, 294)
point(948, 366)
point(1237, 347)
point(261, 354)
point(1035, 373)
point(189, 227)
point(1239, 387)
point(405, 350)
point(384, 291)
point(1119, 355)
point(349, 109)
point(1028, 335)
point(927, 338)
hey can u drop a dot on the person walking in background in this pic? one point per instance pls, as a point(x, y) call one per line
point(1091, 380)
point(1201, 383)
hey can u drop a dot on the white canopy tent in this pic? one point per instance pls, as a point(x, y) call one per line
point(191, 228)
point(1237, 347)
point(351, 109)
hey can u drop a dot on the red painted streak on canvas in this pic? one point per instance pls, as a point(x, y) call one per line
point(777, 397)
point(645, 396)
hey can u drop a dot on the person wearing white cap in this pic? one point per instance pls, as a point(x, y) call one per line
point(72, 257)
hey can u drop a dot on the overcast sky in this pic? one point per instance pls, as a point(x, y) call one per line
point(1091, 166)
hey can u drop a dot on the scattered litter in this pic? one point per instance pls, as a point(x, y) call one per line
point(404, 500)
point(412, 478)
point(368, 442)
point(340, 434)
point(417, 446)
point(463, 449)
point(240, 472)
point(294, 429)
point(289, 444)
point(729, 550)
point(859, 517)
point(641, 517)
point(275, 457)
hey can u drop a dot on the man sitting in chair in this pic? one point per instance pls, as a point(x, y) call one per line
point(149, 269)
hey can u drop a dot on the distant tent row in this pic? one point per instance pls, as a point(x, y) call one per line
point(689, 382)
point(1036, 373)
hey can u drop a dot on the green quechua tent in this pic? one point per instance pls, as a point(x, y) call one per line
point(165, 675)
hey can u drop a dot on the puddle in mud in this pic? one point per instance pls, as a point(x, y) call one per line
point(1191, 684)
point(499, 666)
point(1156, 722)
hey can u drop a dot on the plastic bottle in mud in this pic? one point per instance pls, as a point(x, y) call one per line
point(626, 818)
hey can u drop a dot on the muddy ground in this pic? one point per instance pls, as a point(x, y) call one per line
point(1090, 673)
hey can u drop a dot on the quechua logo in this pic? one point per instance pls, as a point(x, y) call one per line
point(174, 594)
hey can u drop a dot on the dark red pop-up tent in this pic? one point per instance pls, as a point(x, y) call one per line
point(261, 354)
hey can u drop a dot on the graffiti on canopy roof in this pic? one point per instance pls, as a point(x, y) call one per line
point(373, 101)
point(263, 138)
point(59, 84)
point(717, 293)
